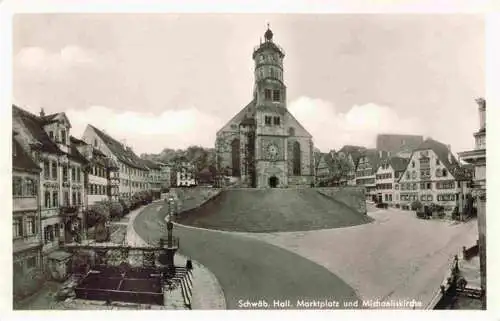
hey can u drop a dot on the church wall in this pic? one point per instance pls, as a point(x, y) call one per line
point(306, 168)
point(267, 169)
point(223, 148)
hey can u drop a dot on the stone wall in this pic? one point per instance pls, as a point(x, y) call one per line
point(354, 196)
point(190, 198)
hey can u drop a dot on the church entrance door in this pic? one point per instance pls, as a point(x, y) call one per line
point(273, 181)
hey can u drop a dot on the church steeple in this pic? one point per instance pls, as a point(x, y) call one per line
point(269, 84)
point(269, 34)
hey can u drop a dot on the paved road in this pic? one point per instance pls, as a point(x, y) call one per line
point(274, 210)
point(249, 269)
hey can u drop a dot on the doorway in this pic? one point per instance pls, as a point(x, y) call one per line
point(273, 181)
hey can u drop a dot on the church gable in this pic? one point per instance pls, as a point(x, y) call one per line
point(294, 128)
point(234, 123)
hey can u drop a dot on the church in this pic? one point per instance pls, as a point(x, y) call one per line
point(264, 145)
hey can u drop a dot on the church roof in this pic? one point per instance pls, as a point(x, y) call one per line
point(248, 110)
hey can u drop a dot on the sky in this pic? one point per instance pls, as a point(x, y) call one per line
point(161, 81)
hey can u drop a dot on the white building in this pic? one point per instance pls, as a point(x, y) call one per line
point(133, 174)
point(186, 176)
point(387, 177)
point(433, 175)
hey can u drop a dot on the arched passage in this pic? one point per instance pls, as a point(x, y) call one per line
point(273, 181)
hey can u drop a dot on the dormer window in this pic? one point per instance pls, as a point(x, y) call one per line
point(51, 135)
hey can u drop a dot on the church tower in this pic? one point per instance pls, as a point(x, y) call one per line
point(269, 87)
point(270, 111)
point(263, 145)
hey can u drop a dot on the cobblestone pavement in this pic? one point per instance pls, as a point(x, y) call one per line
point(248, 269)
point(398, 256)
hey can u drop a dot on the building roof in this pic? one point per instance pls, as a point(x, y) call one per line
point(21, 160)
point(124, 154)
point(374, 157)
point(451, 163)
point(354, 151)
point(150, 164)
point(396, 142)
point(35, 124)
point(398, 164)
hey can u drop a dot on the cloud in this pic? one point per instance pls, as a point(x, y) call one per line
point(358, 126)
point(149, 133)
point(146, 132)
point(40, 60)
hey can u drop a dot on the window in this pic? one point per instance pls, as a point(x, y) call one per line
point(63, 137)
point(445, 173)
point(30, 226)
point(276, 120)
point(46, 169)
point(51, 135)
point(276, 95)
point(17, 227)
point(79, 196)
point(57, 230)
point(55, 201)
point(407, 175)
point(267, 94)
point(412, 164)
point(73, 174)
point(438, 162)
point(30, 187)
point(54, 170)
point(66, 198)
point(17, 186)
point(78, 174)
point(296, 159)
point(268, 120)
point(47, 199)
point(390, 197)
point(95, 142)
point(65, 173)
point(73, 198)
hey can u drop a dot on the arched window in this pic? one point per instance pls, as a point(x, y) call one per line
point(296, 159)
point(235, 155)
point(291, 131)
point(444, 172)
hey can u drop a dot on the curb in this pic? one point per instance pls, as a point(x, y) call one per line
point(187, 282)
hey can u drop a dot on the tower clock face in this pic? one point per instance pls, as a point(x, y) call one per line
point(272, 151)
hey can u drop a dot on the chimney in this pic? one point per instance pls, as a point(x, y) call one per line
point(42, 112)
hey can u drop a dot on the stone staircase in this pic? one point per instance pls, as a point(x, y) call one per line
point(181, 287)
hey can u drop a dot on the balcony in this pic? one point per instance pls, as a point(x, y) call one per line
point(26, 242)
point(68, 210)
